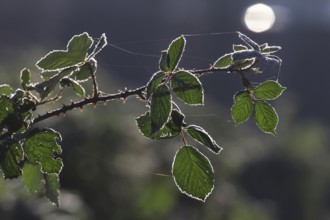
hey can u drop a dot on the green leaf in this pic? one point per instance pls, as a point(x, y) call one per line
point(31, 177)
point(102, 42)
point(45, 88)
point(25, 78)
point(52, 185)
point(249, 41)
point(171, 129)
point(242, 107)
point(67, 82)
point(202, 137)
point(270, 49)
point(154, 82)
point(269, 90)
point(5, 89)
point(239, 47)
point(193, 173)
point(6, 107)
point(76, 53)
point(163, 65)
point(160, 108)
point(188, 88)
point(83, 73)
point(174, 52)
point(266, 117)
point(263, 46)
point(243, 64)
point(224, 62)
point(40, 148)
point(10, 157)
point(79, 90)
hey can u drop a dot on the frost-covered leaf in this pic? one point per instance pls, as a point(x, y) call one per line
point(40, 148)
point(193, 173)
point(160, 108)
point(188, 88)
point(25, 78)
point(202, 137)
point(52, 185)
point(10, 157)
point(31, 177)
point(76, 53)
point(269, 90)
point(154, 82)
point(266, 117)
point(171, 129)
point(224, 62)
point(242, 107)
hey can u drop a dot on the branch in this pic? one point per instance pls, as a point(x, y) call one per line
point(121, 95)
point(90, 100)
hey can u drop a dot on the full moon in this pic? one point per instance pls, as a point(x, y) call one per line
point(259, 17)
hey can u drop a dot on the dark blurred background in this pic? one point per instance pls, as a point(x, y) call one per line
point(111, 170)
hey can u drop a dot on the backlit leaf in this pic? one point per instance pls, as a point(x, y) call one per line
point(40, 148)
point(83, 73)
point(249, 41)
point(25, 78)
point(46, 87)
point(270, 49)
point(174, 52)
point(79, 90)
point(224, 62)
point(243, 64)
point(202, 137)
point(242, 107)
point(6, 108)
point(266, 117)
point(163, 65)
point(188, 88)
point(268, 90)
point(5, 89)
point(160, 108)
point(239, 47)
point(10, 157)
point(31, 177)
point(193, 173)
point(171, 129)
point(76, 53)
point(154, 82)
point(52, 185)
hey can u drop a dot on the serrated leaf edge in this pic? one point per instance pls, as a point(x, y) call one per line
point(184, 192)
point(66, 50)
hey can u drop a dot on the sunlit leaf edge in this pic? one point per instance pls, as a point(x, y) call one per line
point(184, 192)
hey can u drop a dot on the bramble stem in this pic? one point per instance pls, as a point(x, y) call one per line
point(104, 98)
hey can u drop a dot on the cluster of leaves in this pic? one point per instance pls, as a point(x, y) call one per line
point(34, 153)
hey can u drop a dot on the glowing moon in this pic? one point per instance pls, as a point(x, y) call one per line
point(259, 17)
